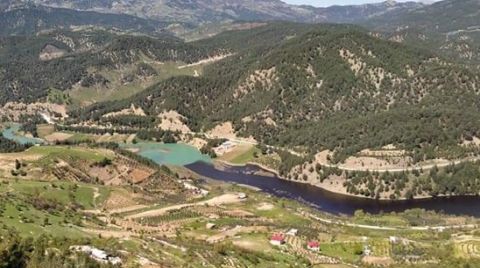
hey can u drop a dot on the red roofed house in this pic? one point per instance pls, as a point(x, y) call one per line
point(313, 246)
point(277, 239)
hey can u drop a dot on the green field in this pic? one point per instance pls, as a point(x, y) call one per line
point(80, 137)
point(31, 222)
point(37, 207)
point(349, 251)
point(63, 192)
point(247, 156)
point(45, 130)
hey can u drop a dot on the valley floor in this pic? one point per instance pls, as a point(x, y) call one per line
point(176, 220)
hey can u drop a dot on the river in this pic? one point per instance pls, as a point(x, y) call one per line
point(11, 134)
point(185, 155)
point(332, 202)
point(191, 158)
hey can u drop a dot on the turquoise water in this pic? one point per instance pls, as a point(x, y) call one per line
point(177, 154)
point(11, 134)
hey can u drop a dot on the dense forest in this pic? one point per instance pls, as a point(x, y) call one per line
point(449, 27)
point(77, 58)
point(332, 87)
point(30, 19)
point(302, 87)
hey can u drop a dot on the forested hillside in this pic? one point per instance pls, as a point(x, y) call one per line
point(32, 19)
point(451, 27)
point(30, 66)
point(198, 12)
point(332, 87)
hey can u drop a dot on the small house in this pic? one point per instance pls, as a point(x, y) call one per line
point(277, 239)
point(313, 246)
point(292, 232)
point(242, 195)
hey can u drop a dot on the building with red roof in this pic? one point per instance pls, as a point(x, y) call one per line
point(313, 246)
point(277, 239)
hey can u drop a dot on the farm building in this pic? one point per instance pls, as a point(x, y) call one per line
point(277, 239)
point(313, 246)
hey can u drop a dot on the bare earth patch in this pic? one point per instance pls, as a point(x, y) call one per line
point(13, 110)
point(173, 121)
point(120, 199)
point(196, 142)
point(205, 61)
point(58, 136)
point(265, 206)
point(265, 78)
point(378, 261)
point(129, 111)
point(234, 231)
point(226, 131)
point(139, 175)
point(50, 52)
point(474, 142)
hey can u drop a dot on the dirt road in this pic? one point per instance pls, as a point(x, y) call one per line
point(216, 201)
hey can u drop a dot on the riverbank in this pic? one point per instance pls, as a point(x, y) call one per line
point(334, 187)
point(330, 202)
point(170, 154)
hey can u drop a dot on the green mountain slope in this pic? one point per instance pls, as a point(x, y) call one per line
point(333, 87)
point(450, 26)
point(30, 66)
point(30, 20)
point(204, 11)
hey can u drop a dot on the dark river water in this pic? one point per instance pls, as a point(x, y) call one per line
point(331, 202)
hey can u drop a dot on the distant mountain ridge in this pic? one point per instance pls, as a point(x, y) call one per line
point(451, 27)
point(205, 11)
point(29, 20)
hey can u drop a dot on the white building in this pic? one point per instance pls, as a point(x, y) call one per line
point(97, 254)
point(292, 232)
